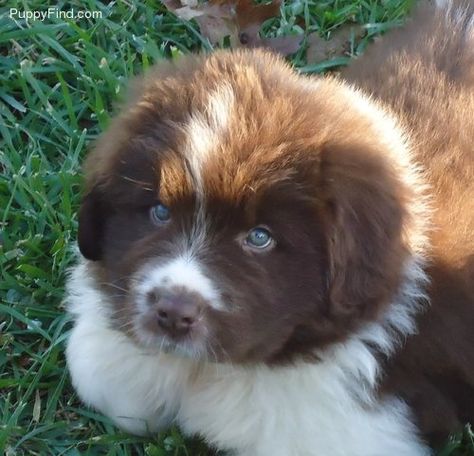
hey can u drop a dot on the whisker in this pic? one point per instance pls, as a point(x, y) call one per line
point(126, 325)
point(213, 340)
point(113, 285)
point(141, 184)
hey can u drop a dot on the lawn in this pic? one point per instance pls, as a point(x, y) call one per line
point(59, 82)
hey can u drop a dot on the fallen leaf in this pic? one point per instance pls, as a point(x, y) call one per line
point(249, 37)
point(320, 49)
point(218, 22)
point(248, 13)
point(240, 20)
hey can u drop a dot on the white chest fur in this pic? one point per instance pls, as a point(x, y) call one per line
point(323, 409)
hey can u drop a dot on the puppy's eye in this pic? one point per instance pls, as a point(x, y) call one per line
point(160, 214)
point(259, 238)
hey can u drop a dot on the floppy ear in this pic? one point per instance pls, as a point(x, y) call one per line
point(366, 208)
point(92, 217)
point(128, 184)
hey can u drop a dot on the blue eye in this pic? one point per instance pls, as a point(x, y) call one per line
point(160, 214)
point(259, 238)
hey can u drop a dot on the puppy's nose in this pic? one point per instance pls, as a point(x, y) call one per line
point(177, 313)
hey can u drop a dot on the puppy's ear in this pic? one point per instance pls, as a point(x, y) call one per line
point(92, 217)
point(129, 184)
point(366, 212)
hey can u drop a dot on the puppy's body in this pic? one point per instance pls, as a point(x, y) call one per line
point(305, 346)
point(425, 73)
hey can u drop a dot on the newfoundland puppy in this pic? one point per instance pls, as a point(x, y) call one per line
point(284, 265)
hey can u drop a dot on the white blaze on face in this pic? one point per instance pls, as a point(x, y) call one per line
point(204, 132)
point(184, 272)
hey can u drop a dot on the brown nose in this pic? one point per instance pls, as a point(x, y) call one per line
point(177, 313)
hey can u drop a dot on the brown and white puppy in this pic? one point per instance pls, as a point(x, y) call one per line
point(255, 248)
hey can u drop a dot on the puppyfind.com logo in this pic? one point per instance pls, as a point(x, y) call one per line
point(54, 13)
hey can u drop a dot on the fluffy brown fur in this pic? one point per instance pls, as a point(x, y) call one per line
point(329, 176)
point(425, 73)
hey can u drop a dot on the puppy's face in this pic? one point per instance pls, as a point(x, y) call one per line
point(237, 212)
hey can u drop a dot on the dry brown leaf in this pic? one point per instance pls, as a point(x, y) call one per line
point(249, 14)
point(285, 45)
point(240, 20)
point(216, 19)
point(319, 49)
point(217, 22)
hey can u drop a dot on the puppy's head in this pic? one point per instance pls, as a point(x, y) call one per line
point(237, 211)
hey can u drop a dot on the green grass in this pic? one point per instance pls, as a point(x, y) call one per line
point(59, 81)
